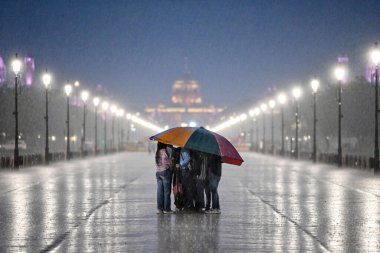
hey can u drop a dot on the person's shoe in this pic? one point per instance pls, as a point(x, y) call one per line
point(159, 211)
point(168, 212)
point(209, 211)
point(216, 211)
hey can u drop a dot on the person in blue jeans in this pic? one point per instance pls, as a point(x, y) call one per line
point(164, 178)
point(211, 188)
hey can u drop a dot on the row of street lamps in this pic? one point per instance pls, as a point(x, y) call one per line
point(340, 75)
point(68, 89)
point(115, 111)
point(296, 93)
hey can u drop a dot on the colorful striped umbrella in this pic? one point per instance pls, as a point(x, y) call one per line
point(200, 139)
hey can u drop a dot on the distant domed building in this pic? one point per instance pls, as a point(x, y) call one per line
point(186, 91)
point(186, 105)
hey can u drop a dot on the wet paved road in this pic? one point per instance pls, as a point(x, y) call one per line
point(107, 204)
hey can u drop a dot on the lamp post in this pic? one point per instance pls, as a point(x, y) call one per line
point(375, 55)
point(296, 95)
point(257, 113)
point(84, 95)
point(272, 104)
point(339, 74)
point(264, 107)
point(46, 79)
point(113, 113)
point(119, 114)
point(96, 102)
point(128, 116)
point(314, 86)
point(68, 90)
point(281, 98)
point(75, 102)
point(16, 66)
point(105, 108)
point(252, 114)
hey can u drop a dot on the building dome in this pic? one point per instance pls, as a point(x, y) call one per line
point(186, 91)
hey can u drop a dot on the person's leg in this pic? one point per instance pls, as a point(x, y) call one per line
point(200, 202)
point(167, 181)
point(175, 182)
point(208, 195)
point(193, 187)
point(186, 183)
point(160, 192)
point(214, 192)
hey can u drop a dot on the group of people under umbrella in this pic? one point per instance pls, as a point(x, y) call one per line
point(189, 160)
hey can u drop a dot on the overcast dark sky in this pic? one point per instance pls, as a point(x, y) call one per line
point(236, 49)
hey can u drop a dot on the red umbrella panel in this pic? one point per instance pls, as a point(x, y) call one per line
point(200, 139)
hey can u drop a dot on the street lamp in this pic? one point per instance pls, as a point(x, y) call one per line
point(113, 112)
point(75, 101)
point(339, 74)
point(105, 108)
point(68, 90)
point(264, 107)
point(84, 96)
point(46, 79)
point(272, 104)
point(257, 113)
point(296, 95)
point(120, 113)
point(128, 116)
point(314, 86)
point(16, 66)
point(282, 98)
point(375, 55)
point(96, 102)
point(251, 114)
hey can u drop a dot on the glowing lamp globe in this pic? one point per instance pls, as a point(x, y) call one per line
point(84, 95)
point(96, 101)
point(339, 73)
point(281, 98)
point(68, 89)
point(314, 85)
point(296, 92)
point(16, 65)
point(375, 55)
point(113, 109)
point(46, 79)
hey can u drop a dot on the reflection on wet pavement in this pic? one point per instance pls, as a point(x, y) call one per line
point(107, 204)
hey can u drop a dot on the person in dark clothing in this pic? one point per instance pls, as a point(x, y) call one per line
point(211, 188)
point(186, 172)
point(201, 168)
point(177, 183)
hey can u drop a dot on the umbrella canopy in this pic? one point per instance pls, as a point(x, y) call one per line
point(200, 139)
